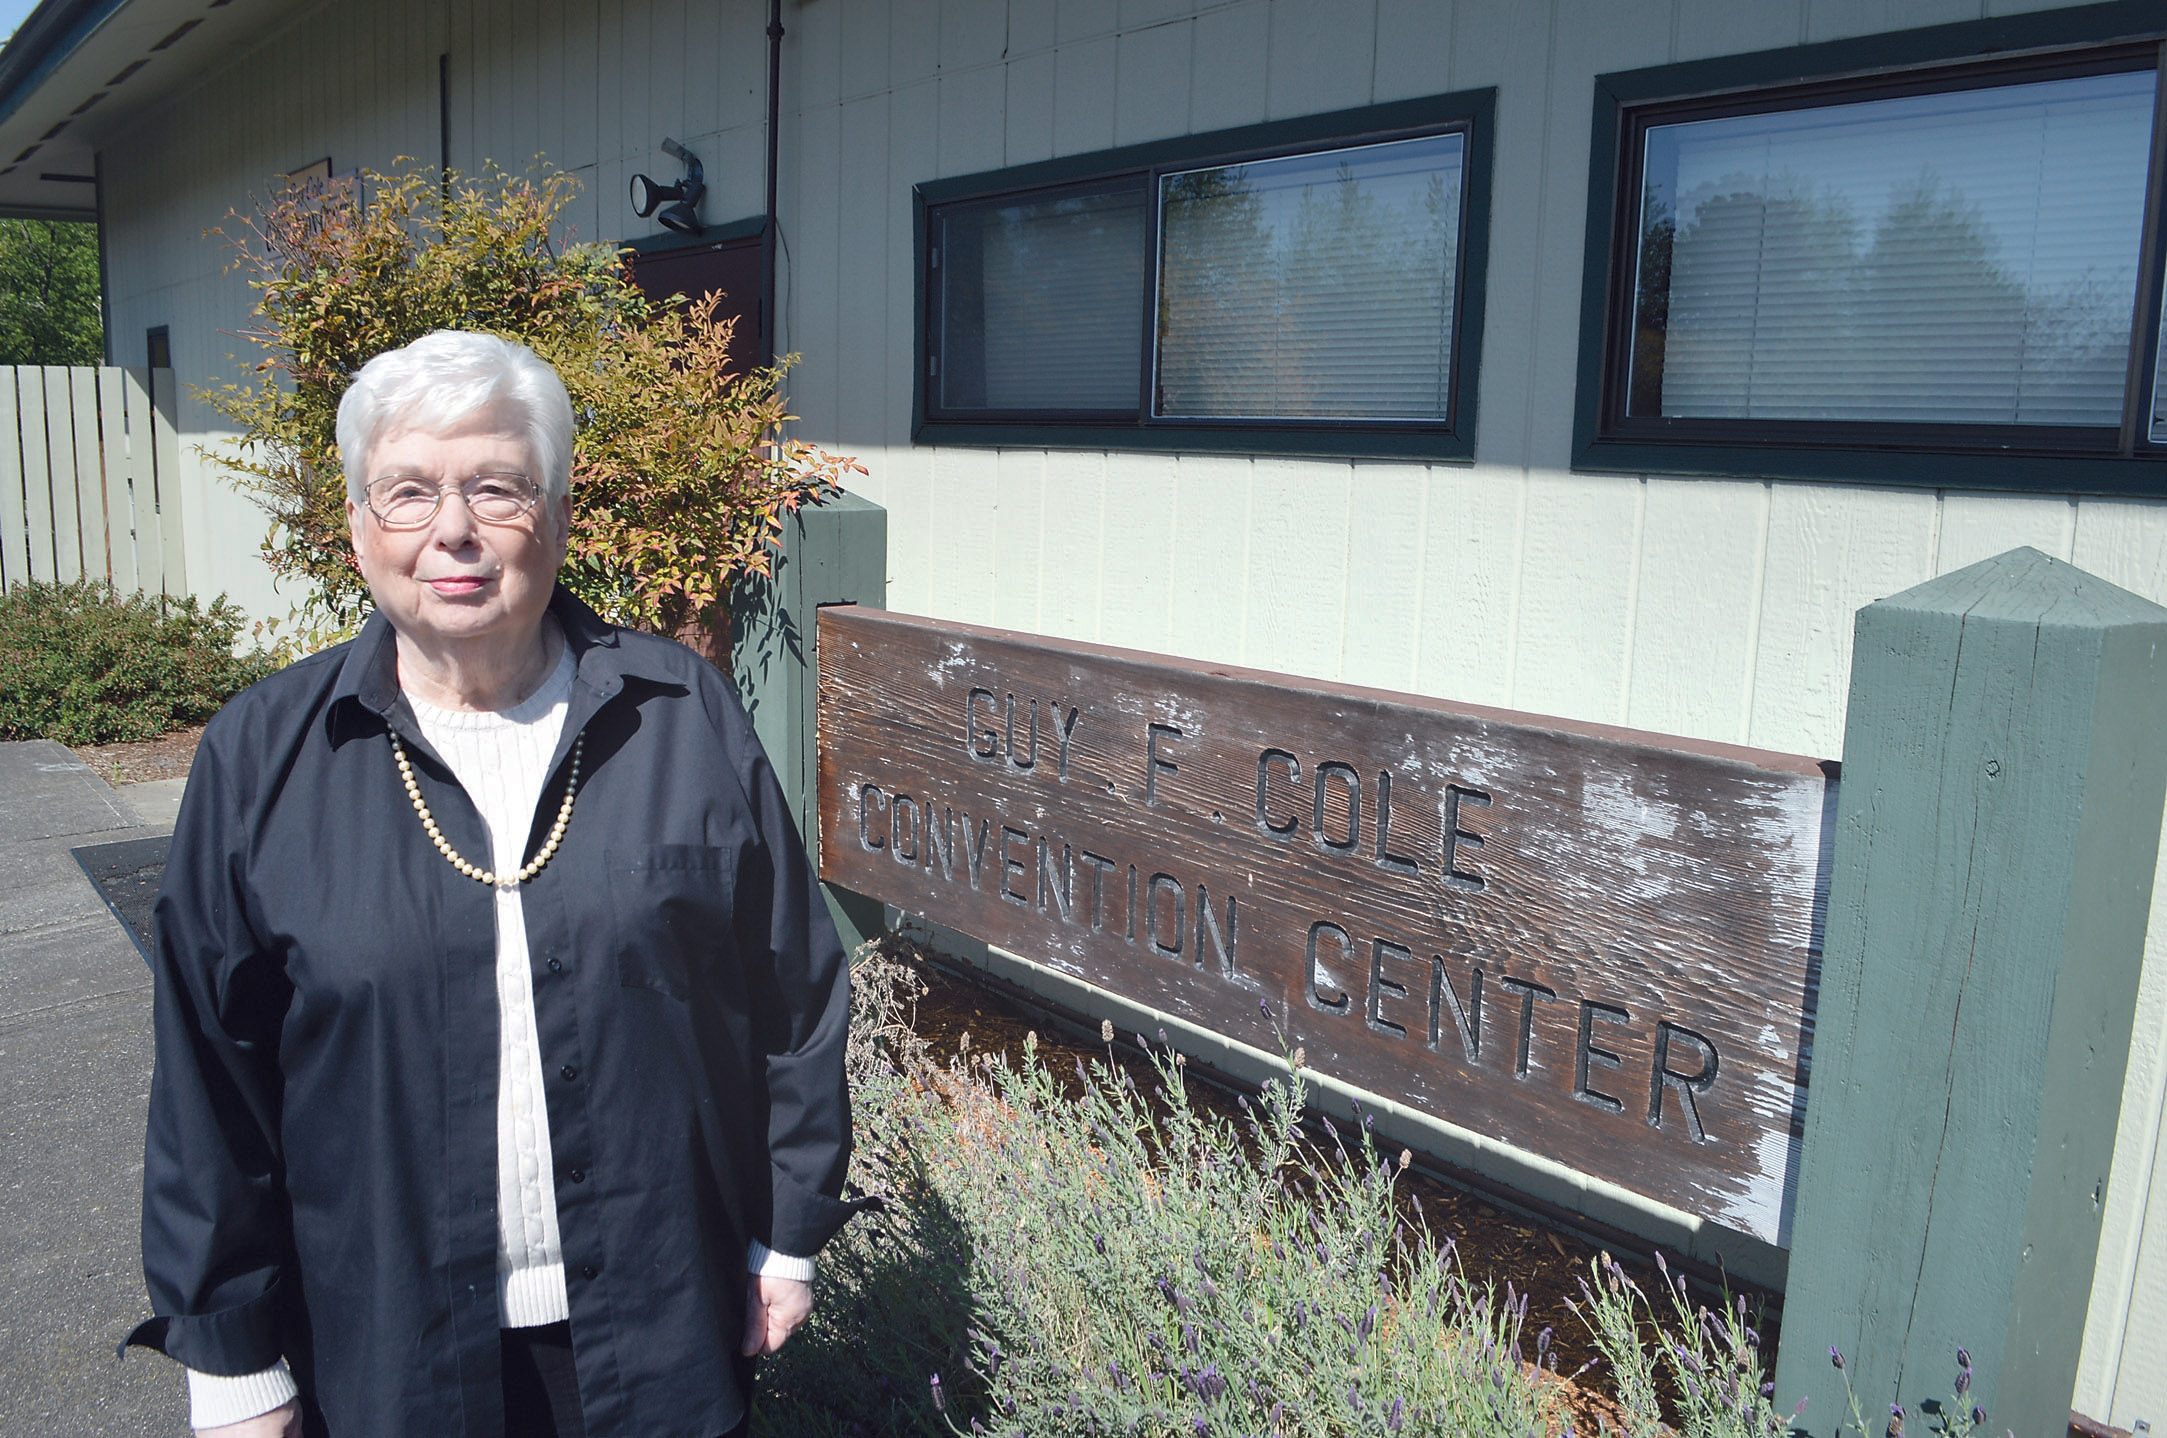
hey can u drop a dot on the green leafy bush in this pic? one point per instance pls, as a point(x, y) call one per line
point(1085, 1254)
point(681, 482)
point(88, 665)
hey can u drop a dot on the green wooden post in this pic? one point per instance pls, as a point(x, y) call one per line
point(835, 553)
point(2004, 763)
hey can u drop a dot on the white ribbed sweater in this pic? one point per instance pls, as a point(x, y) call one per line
point(501, 758)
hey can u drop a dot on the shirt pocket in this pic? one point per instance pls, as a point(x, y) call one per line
point(674, 911)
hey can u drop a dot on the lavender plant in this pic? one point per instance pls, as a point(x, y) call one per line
point(1957, 1417)
point(1150, 1270)
point(1708, 1359)
point(1086, 1253)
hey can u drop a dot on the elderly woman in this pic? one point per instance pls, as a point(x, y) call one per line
point(500, 1024)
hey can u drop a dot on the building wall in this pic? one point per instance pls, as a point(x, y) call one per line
point(1715, 608)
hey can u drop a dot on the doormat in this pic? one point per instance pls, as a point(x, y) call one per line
point(127, 875)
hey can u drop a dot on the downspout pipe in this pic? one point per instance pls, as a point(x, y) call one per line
point(769, 320)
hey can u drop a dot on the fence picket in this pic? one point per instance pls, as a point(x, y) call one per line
point(60, 474)
point(93, 524)
point(166, 459)
point(143, 480)
point(90, 477)
point(120, 513)
point(14, 522)
point(37, 473)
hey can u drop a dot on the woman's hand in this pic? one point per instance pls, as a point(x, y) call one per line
point(774, 1307)
point(283, 1421)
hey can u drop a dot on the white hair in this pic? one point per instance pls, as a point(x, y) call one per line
point(444, 378)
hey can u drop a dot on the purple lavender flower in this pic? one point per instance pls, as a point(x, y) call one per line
point(1392, 1418)
point(1835, 1357)
point(940, 1401)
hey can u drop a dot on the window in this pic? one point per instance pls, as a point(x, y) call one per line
point(1311, 286)
point(1945, 273)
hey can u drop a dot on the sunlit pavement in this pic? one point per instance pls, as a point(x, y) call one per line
point(75, 1060)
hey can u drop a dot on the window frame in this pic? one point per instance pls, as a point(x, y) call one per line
point(2118, 36)
point(1471, 112)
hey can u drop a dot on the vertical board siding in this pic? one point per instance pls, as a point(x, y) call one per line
point(1229, 62)
point(1719, 609)
point(1384, 575)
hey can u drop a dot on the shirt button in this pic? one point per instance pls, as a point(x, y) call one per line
point(569, 1072)
point(579, 1175)
point(556, 966)
point(587, 1271)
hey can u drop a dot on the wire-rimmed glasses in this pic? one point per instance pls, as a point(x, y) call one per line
point(409, 501)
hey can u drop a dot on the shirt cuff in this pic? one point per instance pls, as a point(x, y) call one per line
point(767, 1263)
point(214, 1400)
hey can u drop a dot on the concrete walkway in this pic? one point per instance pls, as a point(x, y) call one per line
point(75, 1059)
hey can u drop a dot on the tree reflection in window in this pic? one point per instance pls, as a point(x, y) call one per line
point(1317, 286)
point(1963, 257)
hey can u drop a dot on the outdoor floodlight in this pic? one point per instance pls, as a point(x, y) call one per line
point(680, 203)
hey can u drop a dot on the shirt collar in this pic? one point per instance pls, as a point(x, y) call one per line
point(369, 675)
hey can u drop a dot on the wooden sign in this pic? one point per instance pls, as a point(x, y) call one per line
point(1591, 943)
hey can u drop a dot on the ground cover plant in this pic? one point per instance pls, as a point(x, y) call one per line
point(86, 664)
point(680, 481)
point(1090, 1252)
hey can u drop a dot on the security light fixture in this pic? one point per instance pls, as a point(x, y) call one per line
point(680, 203)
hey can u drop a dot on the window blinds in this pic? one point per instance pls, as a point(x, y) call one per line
point(1045, 304)
point(1314, 286)
point(1962, 257)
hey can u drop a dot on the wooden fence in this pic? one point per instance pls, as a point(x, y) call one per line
point(89, 468)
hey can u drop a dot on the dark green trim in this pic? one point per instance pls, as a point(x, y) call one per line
point(1476, 110)
point(1925, 469)
point(1605, 283)
point(1436, 446)
point(746, 229)
point(2006, 37)
point(1220, 146)
point(919, 315)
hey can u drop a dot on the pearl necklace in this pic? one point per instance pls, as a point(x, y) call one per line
point(443, 846)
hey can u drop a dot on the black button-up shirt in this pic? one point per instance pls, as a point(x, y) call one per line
point(320, 1179)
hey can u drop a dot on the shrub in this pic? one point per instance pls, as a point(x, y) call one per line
point(88, 665)
point(1072, 1255)
point(679, 485)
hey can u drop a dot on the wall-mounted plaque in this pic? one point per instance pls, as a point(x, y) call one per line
point(1594, 944)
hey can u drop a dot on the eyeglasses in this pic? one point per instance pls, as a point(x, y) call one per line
point(409, 501)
